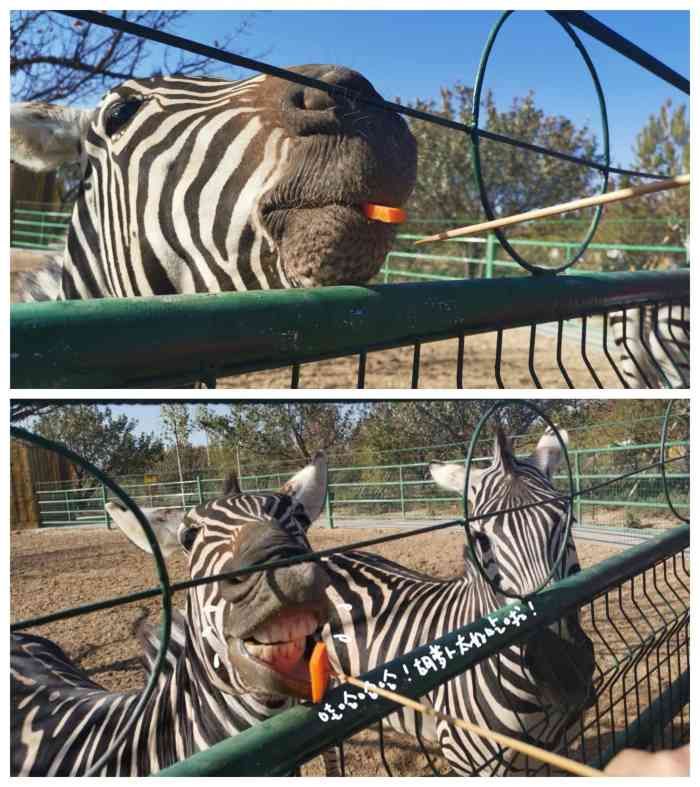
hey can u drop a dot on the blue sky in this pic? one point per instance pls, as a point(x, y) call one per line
point(411, 54)
point(148, 420)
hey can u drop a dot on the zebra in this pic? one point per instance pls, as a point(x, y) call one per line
point(382, 610)
point(238, 654)
point(653, 345)
point(196, 185)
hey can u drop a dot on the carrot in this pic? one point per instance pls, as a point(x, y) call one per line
point(383, 213)
point(319, 671)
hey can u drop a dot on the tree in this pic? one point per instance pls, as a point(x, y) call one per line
point(516, 179)
point(95, 434)
point(662, 146)
point(56, 58)
point(440, 429)
point(177, 429)
point(289, 431)
point(23, 409)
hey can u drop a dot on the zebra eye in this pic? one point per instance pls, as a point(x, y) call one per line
point(120, 113)
point(188, 537)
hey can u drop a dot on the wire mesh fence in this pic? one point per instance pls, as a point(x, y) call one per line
point(402, 492)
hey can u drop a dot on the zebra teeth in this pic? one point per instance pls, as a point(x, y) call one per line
point(287, 626)
point(282, 657)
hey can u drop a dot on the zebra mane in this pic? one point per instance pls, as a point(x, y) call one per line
point(148, 635)
point(232, 485)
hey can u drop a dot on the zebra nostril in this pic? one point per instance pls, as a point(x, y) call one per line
point(318, 100)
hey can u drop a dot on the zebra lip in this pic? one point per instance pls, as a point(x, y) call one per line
point(285, 678)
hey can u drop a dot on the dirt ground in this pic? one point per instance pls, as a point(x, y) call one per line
point(438, 367)
point(55, 569)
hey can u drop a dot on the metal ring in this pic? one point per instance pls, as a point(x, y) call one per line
point(569, 519)
point(664, 431)
point(478, 85)
point(50, 445)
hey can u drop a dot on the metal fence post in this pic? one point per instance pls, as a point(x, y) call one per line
point(577, 486)
point(104, 508)
point(329, 508)
point(200, 496)
point(490, 254)
point(66, 495)
point(401, 494)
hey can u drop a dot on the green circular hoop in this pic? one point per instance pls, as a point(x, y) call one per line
point(476, 155)
point(569, 518)
point(50, 445)
point(664, 431)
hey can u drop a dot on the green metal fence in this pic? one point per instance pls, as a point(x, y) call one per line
point(635, 608)
point(34, 228)
point(477, 257)
point(401, 493)
point(177, 340)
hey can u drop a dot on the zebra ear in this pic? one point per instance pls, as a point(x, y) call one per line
point(164, 521)
point(309, 486)
point(43, 136)
point(548, 455)
point(503, 450)
point(452, 477)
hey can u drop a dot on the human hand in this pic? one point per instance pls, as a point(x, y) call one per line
point(635, 762)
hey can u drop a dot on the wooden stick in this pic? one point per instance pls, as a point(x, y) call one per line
point(564, 207)
point(577, 768)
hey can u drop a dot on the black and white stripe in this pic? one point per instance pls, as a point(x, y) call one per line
point(653, 345)
point(62, 722)
point(205, 185)
point(385, 610)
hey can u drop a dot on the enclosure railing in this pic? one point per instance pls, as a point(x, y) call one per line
point(396, 493)
point(32, 228)
point(177, 340)
point(459, 260)
point(181, 340)
point(635, 608)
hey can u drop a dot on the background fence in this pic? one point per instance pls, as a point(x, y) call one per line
point(399, 493)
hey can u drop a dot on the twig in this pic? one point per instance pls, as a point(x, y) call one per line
point(564, 207)
point(564, 763)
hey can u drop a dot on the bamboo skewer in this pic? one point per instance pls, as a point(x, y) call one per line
point(564, 207)
point(577, 768)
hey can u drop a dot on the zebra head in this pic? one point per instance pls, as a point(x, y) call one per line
point(519, 549)
point(205, 185)
point(250, 634)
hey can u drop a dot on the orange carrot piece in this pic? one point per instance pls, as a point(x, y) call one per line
point(319, 671)
point(383, 213)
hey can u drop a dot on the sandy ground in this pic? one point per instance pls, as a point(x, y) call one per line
point(55, 569)
point(438, 367)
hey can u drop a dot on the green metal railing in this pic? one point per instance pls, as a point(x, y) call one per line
point(656, 652)
point(32, 228)
point(174, 340)
point(401, 491)
point(454, 263)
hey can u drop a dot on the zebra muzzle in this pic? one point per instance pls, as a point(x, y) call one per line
point(273, 659)
point(562, 668)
